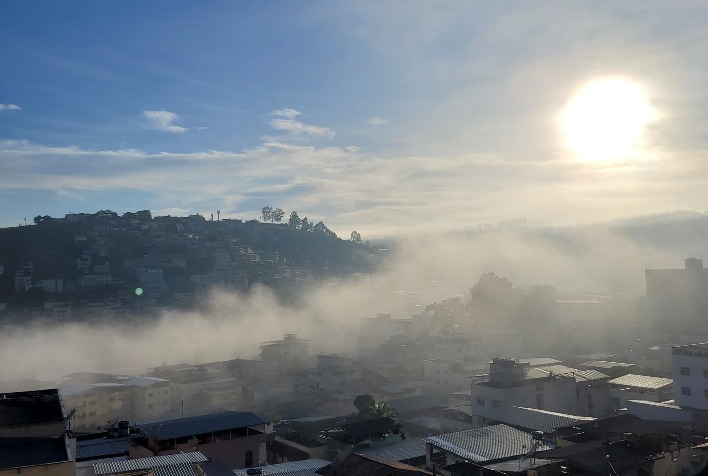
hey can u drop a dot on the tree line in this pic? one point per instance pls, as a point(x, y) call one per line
point(275, 215)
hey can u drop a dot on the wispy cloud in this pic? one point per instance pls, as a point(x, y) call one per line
point(377, 121)
point(9, 107)
point(286, 120)
point(164, 121)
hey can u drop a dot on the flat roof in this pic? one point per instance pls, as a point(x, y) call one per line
point(25, 408)
point(642, 381)
point(199, 425)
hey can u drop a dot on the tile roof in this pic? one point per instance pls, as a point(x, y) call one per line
point(199, 425)
point(112, 467)
point(642, 381)
point(491, 443)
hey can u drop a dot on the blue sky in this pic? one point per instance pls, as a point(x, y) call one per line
point(375, 116)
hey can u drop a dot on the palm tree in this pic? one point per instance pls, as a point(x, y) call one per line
point(382, 409)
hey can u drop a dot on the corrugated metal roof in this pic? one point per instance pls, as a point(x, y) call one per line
point(309, 466)
point(179, 469)
point(112, 467)
point(199, 425)
point(580, 375)
point(490, 443)
point(642, 381)
point(102, 447)
point(400, 451)
point(532, 419)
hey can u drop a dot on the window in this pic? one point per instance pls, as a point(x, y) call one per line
point(150, 394)
point(705, 393)
point(495, 403)
point(249, 458)
point(705, 373)
point(480, 402)
point(150, 406)
point(685, 371)
point(92, 413)
point(685, 390)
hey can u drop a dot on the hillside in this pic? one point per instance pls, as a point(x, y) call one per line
point(172, 260)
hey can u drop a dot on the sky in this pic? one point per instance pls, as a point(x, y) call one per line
point(381, 117)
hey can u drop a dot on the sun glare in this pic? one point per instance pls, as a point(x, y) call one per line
point(606, 119)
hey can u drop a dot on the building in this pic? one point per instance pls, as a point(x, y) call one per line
point(678, 298)
point(513, 383)
point(640, 387)
point(33, 435)
point(284, 355)
point(689, 366)
point(487, 445)
point(375, 331)
point(237, 439)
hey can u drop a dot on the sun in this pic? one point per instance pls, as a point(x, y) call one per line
point(606, 119)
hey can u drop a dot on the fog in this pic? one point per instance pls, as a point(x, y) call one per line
point(417, 272)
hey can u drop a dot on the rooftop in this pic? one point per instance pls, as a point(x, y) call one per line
point(112, 467)
point(22, 452)
point(491, 443)
point(26, 408)
point(199, 425)
point(642, 381)
point(533, 419)
point(308, 464)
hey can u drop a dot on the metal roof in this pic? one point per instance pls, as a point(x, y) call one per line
point(580, 375)
point(179, 469)
point(308, 466)
point(199, 425)
point(491, 443)
point(399, 451)
point(112, 467)
point(102, 448)
point(642, 381)
point(532, 419)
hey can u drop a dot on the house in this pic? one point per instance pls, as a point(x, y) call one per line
point(640, 387)
point(491, 444)
point(513, 383)
point(238, 439)
point(33, 435)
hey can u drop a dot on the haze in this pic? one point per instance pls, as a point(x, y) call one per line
point(380, 118)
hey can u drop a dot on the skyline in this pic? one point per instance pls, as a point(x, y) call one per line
point(378, 118)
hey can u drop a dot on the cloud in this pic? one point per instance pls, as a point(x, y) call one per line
point(164, 121)
point(10, 107)
point(285, 120)
point(377, 121)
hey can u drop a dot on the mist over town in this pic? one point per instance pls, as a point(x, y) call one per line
point(353, 238)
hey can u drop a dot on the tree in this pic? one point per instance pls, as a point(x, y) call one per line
point(267, 214)
point(306, 225)
point(294, 221)
point(382, 409)
point(356, 237)
point(364, 403)
point(277, 215)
